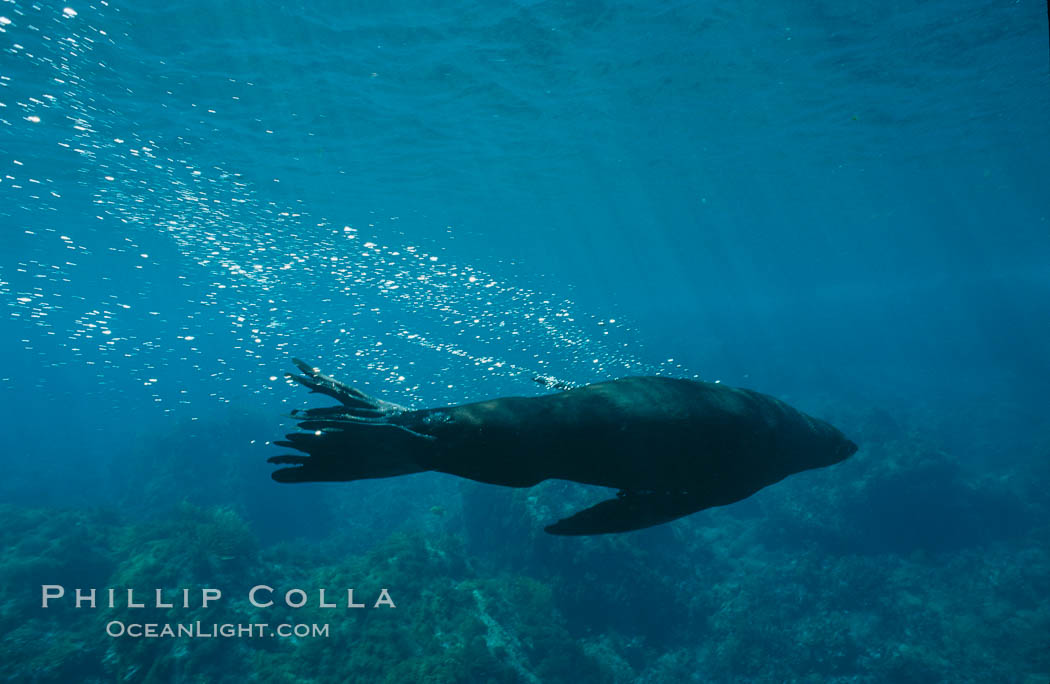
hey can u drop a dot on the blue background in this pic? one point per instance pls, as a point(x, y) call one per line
point(841, 204)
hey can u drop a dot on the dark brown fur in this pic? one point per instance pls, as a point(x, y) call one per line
point(671, 446)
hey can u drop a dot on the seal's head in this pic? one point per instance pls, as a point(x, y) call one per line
point(818, 446)
point(846, 449)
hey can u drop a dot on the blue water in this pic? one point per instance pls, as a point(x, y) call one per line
point(841, 204)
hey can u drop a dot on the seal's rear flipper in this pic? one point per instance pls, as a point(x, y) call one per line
point(364, 438)
point(345, 450)
point(350, 397)
point(628, 511)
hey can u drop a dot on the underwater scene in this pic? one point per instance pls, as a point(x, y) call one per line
point(537, 341)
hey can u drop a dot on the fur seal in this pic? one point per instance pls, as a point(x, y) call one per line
point(670, 446)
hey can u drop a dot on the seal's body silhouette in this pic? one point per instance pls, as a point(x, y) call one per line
point(670, 446)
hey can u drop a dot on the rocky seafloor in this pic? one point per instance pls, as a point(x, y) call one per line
point(904, 564)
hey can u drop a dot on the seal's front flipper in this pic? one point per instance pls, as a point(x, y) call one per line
point(628, 511)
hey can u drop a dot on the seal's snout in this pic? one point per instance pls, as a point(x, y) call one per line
point(847, 450)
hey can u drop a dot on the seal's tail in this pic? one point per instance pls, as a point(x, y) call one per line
point(358, 440)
